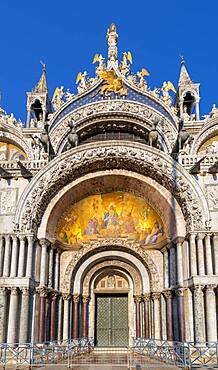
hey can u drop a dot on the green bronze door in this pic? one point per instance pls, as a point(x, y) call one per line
point(111, 326)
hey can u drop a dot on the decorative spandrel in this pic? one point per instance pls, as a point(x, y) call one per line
point(116, 214)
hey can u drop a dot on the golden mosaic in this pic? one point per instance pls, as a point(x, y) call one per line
point(117, 214)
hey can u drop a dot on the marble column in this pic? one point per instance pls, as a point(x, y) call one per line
point(208, 253)
point(146, 300)
point(3, 311)
point(29, 265)
point(14, 256)
point(57, 269)
point(215, 245)
point(44, 244)
point(156, 323)
point(137, 300)
point(21, 267)
point(43, 295)
point(172, 266)
point(50, 267)
point(24, 315)
point(169, 319)
point(75, 315)
point(60, 318)
point(211, 315)
point(193, 257)
point(198, 313)
point(1, 255)
point(13, 316)
point(181, 315)
point(200, 250)
point(66, 298)
point(85, 300)
point(197, 110)
point(7, 256)
point(166, 267)
point(179, 261)
point(53, 335)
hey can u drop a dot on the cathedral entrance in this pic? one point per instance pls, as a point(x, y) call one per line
point(111, 320)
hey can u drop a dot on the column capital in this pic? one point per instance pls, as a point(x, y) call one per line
point(25, 290)
point(179, 292)
point(43, 292)
point(21, 237)
point(85, 298)
point(7, 237)
point(209, 289)
point(197, 288)
point(146, 297)
point(3, 290)
point(156, 295)
point(54, 295)
point(14, 291)
point(44, 243)
point(215, 236)
point(168, 294)
point(179, 239)
point(66, 296)
point(200, 236)
point(76, 298)
point(31, 238)
point(137, 298)
point(164, 250)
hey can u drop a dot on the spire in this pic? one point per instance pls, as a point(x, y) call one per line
point(184, 77)
point(41, 86)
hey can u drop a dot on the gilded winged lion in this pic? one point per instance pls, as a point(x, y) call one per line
point(113, 85)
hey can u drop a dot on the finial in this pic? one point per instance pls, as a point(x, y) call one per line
point(182, 59)
point(43, 66)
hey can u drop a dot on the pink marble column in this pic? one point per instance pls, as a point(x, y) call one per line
point(85, 300)
point(137, 300)
point(75, 315)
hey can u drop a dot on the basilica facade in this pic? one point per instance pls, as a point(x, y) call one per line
point(109, 210)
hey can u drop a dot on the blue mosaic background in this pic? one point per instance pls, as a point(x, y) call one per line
point(95, 96)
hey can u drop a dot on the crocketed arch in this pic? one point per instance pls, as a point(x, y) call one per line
point(111, 155)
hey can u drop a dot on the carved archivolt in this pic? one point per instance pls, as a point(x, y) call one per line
point(105, 156)
point(208, 131)
point(119, 244)
point(111, 108)
point(15, 137)
point(116, 264)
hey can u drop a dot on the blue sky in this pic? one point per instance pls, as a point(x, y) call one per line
point(66, 34)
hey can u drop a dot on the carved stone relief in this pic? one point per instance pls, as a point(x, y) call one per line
point(212, 197)
point(8, 201)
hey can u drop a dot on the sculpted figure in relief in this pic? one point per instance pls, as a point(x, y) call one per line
point(186, 116)
point(124, 65)
point(37, 147)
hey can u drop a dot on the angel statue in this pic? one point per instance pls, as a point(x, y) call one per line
point(165, 92)
point(101, 64)
point(57, 97)
point(82, 81)
point(113, 84)
point(68, 95)
point(142, 84)
point(125, 66)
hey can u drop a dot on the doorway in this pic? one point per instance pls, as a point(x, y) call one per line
point(111, 320)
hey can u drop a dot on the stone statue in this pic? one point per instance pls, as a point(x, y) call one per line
point(83, 82)
point(11, 119)
point(165, 94)
point(125, 66)
point(112, 38)
point(68, 95)
point(37, 147)
point(101, 64)
point(57, 99)
point(153, 135)
point(156, 92)
point(186, 116)
point(73, 139)
point(214, 111)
